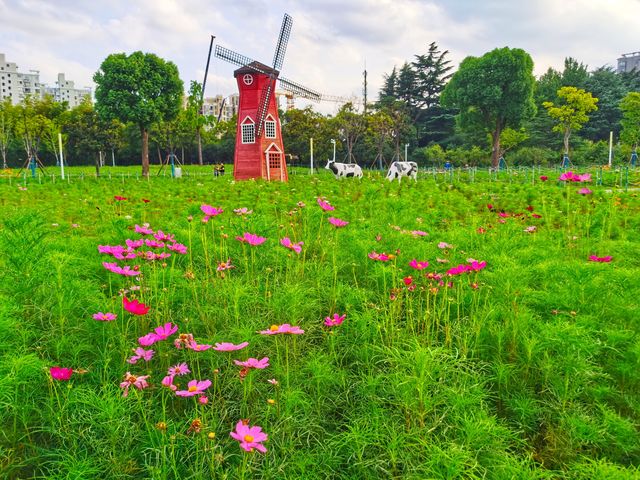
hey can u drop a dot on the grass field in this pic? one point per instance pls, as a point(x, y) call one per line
point(526, 366)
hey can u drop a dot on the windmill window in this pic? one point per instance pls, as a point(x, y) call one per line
point(274, 159)
point(270, 128)
point(248, 133)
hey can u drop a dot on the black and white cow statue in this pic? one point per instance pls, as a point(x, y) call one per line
point(403, 169)
point(344, 169)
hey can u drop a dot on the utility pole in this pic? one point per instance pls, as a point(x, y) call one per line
point(364, 90)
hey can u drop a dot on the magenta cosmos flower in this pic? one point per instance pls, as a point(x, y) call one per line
point(418, 265)
point(335, 320)
point(179, 369)
point(210, 211)
point(104, 317)
point(287, 243)
point(139, 382)
point(284, 328)
point(194, 387)
point(134, 306)
point(127, 271)
point(585, 191)
point(249, 437)
point(326, 206)
point(380, 257)
point(143, 230)
point(242, 211)
point(251, 238)
point(140, 353)
point(222, 266)
point(595, 258)
point(336, 222)
point(253, 363)
point(61, 373)
point(544, 178)
point(229, 347)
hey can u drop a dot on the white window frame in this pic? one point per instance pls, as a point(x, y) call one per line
point(248, 131)
point(270, 130)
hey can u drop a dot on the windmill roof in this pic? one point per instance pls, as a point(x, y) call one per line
point(257, 67)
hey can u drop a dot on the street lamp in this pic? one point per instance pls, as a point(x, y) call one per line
point(333, 141)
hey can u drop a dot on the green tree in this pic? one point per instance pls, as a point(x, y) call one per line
point(351, 126)
point(298, 126)
point(608, 87)
point(570, 113)
point(492, 92)
point(140, 88)
point(194, 115)
point(7, 119)
point(630, 106)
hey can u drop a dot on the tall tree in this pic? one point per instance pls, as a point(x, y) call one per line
point(194, 115)
point(570, 113)
point(7, 119)
point(492, 92)
point(351, 126)
point(630, 106)
point(605, 84)
point(140, 88)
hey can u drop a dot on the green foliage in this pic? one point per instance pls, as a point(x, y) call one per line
point(630, 106)
point(492, 92)
point(570, 113)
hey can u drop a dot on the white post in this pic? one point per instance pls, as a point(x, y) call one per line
point(610, 147)
point(311, 151)
point(61, 156)
point(113, 158)
point(406, 146)
point(333, 140)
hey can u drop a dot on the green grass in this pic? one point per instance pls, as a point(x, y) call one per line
point(533, 374)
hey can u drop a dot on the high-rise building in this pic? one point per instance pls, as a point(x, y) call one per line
point(17, 86)
point(226, 107)
point(628, 62)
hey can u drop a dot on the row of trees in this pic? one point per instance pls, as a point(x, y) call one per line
point(490, 105)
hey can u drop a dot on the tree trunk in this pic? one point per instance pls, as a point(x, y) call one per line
point(495, 151)
point(567, 134)
point(199, 137)
point(145, 151)
point(4, 158)
point(98, 162)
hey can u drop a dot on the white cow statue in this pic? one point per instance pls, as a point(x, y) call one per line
point(344, 169)
point(403, 169)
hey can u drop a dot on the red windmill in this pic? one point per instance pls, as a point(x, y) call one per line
point(259, 149)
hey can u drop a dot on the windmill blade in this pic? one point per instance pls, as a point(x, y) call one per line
point(299, 90)
point(237, 59)
point(263, 108)
point(281, 46)
point(337, 99)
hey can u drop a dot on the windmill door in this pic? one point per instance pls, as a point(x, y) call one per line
point(274, 159)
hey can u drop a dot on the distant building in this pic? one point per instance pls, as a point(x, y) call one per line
point(65, 91)
point(225, 107)
point(18, 85)
point(629, 61)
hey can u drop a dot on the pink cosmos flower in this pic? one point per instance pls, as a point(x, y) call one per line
point(153, 243)
point(104, 317)
point(336, 222)
point(61, 373)
point(326, 206)
point(210, 211)
point(335, 320)
point(183, 341)
point(273, 381)
point(595, 258)
point(140, 353)
point(242, 211)
point(254, 363)
point(178, 248)
point(148, 340)
point(196, 347)
point(134, 243)
point(503, 215)
point(229, 347)
point(443, 245)
point(164, 237)
point(544, 178)
point(134, 306)
point(249, 437)
point(168, 382)
point(459, 269)
point(127, 271)
point(118, 198)
point(408, 281)
point(179, 369)
point(418, 265)
point(133, 381)
point(419, 233)
point(477, 266)
point(287, 243)
point(251, 238)
point(530, 229)
point(222, 266)
point(284, 328)
point(194, 387)
point(165, 331)
point(585, 191)
point(535, 215)
point(380, 257)
point(143, 230)
point(203, 399)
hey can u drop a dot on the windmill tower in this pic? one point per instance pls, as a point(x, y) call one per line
point(259, 149)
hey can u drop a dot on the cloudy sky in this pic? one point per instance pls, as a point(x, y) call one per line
point(331, 40)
